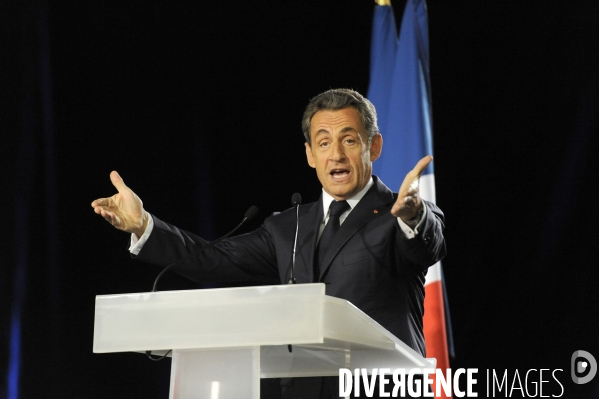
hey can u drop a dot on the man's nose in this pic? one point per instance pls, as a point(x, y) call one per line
point(337, 152)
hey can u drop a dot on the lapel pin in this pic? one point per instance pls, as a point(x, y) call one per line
point(376, 211)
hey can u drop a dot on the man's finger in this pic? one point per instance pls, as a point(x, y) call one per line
point(117, 181)
point(422, 164)
point(111, 218)
point(100, 202)
point(103, 213)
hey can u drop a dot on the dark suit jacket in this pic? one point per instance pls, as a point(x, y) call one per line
point(370, 262)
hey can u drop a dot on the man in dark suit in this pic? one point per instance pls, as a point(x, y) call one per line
point(368, 245)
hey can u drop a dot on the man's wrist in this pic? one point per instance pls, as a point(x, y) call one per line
point(416, 219)
point(144, 225)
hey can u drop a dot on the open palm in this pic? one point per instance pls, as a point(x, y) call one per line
point(123, 210)
point(408, 200)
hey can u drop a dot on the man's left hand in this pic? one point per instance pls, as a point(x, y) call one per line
point(408, 201)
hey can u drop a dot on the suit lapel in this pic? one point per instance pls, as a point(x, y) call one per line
point(376, 203)
point(309, 224)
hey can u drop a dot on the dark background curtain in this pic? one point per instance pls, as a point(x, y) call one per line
point(198, 106)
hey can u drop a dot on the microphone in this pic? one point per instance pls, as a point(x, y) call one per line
point(250, 214)
point(296, 201)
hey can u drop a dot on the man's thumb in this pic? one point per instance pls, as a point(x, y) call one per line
point(422, 164)
point(117, 181)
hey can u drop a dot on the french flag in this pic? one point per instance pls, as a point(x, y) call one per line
point(400, 91)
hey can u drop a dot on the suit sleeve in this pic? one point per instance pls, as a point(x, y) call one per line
point(428, 247)
point(247, 257)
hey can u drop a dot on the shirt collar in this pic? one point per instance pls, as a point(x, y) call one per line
point(353, 201)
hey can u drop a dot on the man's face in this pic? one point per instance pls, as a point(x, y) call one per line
point(340, 153)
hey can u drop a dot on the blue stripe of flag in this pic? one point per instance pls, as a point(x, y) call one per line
point(400, 91)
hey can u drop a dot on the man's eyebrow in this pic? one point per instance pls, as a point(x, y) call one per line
point(321, 131)
point(346, 129)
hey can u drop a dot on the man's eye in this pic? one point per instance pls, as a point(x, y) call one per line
point(324, 144)
point(350, 141)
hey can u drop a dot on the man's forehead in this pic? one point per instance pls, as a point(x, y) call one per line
point(345, 119)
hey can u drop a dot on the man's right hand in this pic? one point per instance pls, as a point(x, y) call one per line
point(123, 210)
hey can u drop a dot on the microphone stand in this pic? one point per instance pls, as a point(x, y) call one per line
point(296, 200)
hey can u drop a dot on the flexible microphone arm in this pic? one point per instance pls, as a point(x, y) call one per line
point(296, 201)
point(250, 214)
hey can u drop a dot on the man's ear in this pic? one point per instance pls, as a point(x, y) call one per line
point(309, 155)
point(376, 146)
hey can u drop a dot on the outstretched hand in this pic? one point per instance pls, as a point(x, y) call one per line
point(408, 200)
point(123, 210)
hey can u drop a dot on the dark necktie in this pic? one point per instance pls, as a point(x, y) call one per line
point(335, 210)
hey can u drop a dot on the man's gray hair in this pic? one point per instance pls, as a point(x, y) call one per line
point(336, 99)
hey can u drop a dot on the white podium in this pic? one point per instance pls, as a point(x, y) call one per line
point(225, 340)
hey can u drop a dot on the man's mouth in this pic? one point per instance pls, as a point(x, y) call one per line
point(339, 174)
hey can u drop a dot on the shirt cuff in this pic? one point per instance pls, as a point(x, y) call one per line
point(137, 243)
point(407, 230)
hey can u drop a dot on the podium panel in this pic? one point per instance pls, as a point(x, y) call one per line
point(195, 374)
point(212, 318)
